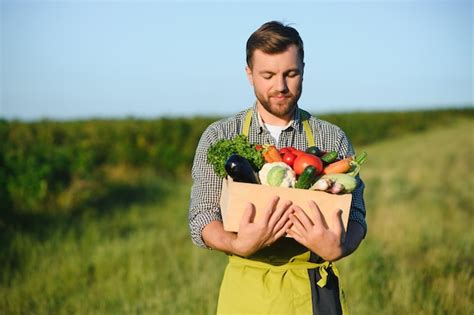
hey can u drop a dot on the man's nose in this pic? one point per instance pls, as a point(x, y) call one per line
point(280, 84)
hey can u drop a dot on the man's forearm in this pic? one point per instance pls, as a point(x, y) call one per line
point(354, 236)
point(215, 237)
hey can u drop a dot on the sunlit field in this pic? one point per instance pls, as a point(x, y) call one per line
point(418, 255)
point(130, 251)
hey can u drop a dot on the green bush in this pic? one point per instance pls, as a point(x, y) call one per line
point(43, 161)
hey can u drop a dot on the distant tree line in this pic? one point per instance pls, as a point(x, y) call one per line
point(45, 165)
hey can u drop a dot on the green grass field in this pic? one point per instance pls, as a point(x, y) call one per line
point(418, 255)
point(137, 257)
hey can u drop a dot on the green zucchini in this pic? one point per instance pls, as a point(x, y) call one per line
point(360, 158)
point(329, 157)
point(307, 178)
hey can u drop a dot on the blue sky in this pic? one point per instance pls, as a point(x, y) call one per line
point(82, 59)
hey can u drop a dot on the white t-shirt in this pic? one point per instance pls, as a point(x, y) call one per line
point(275, 131)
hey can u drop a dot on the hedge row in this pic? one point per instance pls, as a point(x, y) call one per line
point(40, 161)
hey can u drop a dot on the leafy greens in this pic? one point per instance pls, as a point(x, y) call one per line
point(219, 152)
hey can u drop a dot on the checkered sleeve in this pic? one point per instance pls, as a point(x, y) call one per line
point(358, 206)
point(357, 212)
point(206, 189)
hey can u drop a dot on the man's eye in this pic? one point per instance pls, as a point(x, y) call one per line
point(293, 74)
point(267, 76)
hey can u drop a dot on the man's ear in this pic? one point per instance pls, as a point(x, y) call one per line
point(249, 75)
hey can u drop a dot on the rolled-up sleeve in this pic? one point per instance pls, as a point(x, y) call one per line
point(205, 192)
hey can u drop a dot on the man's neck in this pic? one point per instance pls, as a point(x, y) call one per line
point(271, 119)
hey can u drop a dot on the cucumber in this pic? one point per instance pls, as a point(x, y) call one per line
point(329, 157)
point(307, 178)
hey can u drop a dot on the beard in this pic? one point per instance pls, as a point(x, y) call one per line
point(283, 108)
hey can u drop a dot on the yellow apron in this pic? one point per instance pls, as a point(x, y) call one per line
point(255, 287)
point(280, 279)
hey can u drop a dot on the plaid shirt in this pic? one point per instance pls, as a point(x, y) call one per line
point(206, 189)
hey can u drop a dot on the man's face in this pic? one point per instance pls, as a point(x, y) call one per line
point(277, 80)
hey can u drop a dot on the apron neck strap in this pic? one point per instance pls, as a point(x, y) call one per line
point(247, 121)
point(304, 117)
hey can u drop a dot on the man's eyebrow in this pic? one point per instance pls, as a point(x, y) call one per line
point(287, 71)
point(293, 70)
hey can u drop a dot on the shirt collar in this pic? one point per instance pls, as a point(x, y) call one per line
point(295, 123)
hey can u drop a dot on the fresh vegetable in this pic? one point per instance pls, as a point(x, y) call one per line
point(271, 154)
point(218, 153)
point(289, 158)
point(240, 170)
point(359, 159)
point(356, 163)
point(337, 188)
point(322, 184)
point(296, 151)
point(307, 178)
point(306, 159)
point(341, 166)
point(284, 150)
point(339, 177)
point(315, 151)
point(277, 174)
point(348, 182)
point(329, 157)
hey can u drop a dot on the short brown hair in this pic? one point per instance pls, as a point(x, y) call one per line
point(273, 37)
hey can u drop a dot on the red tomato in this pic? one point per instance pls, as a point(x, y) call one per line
point(258, 147)
point(289, 158)
point(305, 159)
point(284, 150)
point(296, 151)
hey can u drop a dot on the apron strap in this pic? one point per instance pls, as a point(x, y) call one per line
point(324, 274)
point(304, 117)
point(323, 281)
point(297, 262)
point(307, 128)
point(247, 120)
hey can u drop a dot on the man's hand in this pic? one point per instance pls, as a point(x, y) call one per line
point(254, 235)
point(316, 235)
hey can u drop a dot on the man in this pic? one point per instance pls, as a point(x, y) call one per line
point(267, 272)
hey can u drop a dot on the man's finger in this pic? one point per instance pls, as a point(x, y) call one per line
point(270, 209)
point(295, 235)
point(249, 214)
point(303, 217)
point(300, 228)
point(319, 219)
point(337, 224)
point(279, 214)
point(282, 220)
point(283, 230)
